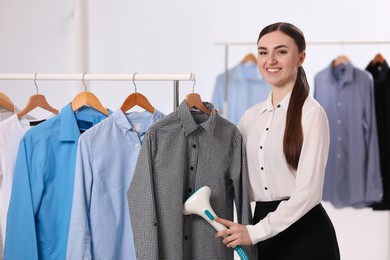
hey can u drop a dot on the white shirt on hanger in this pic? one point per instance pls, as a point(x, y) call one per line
point(11, 132)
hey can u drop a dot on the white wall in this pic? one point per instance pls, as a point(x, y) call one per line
point(176, 36)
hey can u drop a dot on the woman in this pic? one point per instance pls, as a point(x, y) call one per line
point(286, 140)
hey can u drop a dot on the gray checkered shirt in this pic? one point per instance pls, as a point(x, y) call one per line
point(181, 153)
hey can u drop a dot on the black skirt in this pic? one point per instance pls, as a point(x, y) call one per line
point(312, 237)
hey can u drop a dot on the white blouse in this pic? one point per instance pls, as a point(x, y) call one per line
point(262, 127)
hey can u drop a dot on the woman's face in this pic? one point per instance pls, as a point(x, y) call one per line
point(279, 59)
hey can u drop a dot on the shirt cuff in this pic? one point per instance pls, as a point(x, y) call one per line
point(256, 233)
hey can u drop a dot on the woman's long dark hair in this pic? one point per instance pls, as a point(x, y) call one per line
point(293, 133)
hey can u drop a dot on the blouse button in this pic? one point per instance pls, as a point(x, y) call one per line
point(278, 105)
point(265, 188)
point(261, 147)
point(266, 129)
point(262, 168)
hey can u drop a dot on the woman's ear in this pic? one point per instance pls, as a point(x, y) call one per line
point(301, 58)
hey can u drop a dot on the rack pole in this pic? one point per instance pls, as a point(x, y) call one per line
point(175, 94)
point(107, 77)
point(98, 77)
point(225, 82)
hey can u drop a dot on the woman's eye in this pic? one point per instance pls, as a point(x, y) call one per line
point(281, 52)
point(262, 53)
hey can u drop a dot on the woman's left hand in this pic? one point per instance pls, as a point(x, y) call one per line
point(234, 235)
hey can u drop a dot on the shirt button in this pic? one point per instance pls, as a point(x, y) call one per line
point(339, 104)
point(339, 138)
point(190, 190)
point(185, 237)
point(262, 168)
point(191, 168)
point(266, 129)
point(265, 188)
point(278, 105)
point(339, 121)
point(194, 146)
point(261, 147)
point(339, 155)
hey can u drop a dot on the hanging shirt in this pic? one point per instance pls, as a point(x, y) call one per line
point(262, 128)
point(7, 170)
point(381, 75)
point(181, 153)
point(5, 113)
point(245, 88)
point(11, 132)
point(41, 198)
point(100, 222)
point(353, 175)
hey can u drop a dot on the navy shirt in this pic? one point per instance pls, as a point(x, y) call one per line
point(381, 74)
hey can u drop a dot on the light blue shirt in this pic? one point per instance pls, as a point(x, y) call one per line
point(41, 198)
point(100, 222)
point(352, 177)
point(245, 88)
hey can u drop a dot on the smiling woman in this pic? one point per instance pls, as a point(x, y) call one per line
point(286, 140)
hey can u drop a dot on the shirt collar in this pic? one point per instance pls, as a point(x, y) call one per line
point(123, 123)
point(246, 71)
point(379, 71)
point(188, 122)
point(69, 130)
point(347, 74)
point(283, 104)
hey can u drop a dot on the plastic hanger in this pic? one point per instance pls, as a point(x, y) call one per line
point(249, 58)
point(136, 99)
point(6, 102)
point(35, 101)
point(194, 100)
point(87, 98)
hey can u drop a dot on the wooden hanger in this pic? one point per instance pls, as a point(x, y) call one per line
point(35, 101)
point(378, 59)
point(87, 98)
point(249, 58)
point(136, 99)
point(341, 59)
point(139, 100)
point(6, 102)
point(194, 100)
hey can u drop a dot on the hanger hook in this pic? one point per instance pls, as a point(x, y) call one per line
point(192, 76)
point(135, 86)
point(193, 86)
point(85, 87)
point(35, 81)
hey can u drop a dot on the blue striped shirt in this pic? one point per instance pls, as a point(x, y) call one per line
point(352, 176)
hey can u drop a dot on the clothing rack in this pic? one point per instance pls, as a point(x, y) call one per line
point(248, 43)
point(175, 78)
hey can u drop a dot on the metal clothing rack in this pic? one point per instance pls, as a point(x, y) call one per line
point(248, 43)
point(175, 78)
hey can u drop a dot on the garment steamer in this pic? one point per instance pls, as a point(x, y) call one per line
point(199, 204)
